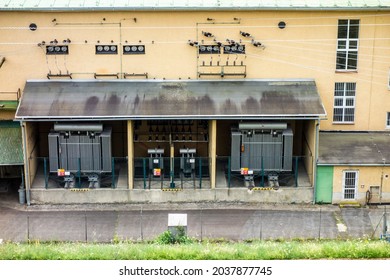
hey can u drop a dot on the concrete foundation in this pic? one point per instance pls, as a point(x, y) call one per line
point(77, 196)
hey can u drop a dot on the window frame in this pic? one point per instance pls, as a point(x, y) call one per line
point(344, 98)
point(388, 81)
point(347, 47)
point(347, 187)
point(387, 120)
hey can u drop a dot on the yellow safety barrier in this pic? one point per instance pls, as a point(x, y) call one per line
point(262, 189)
point(171, 190)
point(79, 190)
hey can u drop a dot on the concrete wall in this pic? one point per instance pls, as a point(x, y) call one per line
point(62, 196)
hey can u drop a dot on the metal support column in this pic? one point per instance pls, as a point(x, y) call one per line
point(229, 172)
point(45, 172)
point(144, 172)
point(113, 172)
point(26, 162)
point(296, 171)
point(200, 172)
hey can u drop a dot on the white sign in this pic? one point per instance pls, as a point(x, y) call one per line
point(175, 220)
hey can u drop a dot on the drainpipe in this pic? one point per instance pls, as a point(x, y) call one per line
point(26, 167)
point(315, 160)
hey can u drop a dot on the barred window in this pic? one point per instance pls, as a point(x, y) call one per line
point(347, 44)
point(388, 120)
point(350, 181)
point(344, 103)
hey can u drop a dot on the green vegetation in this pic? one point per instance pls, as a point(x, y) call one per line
point(165, 248)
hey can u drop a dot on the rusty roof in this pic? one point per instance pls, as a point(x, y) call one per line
point(354, 148)
point(163, 99)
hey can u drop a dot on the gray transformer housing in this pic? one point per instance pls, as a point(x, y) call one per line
point(87, 152)
point(262, 149)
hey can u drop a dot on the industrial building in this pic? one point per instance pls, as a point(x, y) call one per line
point(191, 101)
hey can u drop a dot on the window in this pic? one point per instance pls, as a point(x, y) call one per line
point(350, 181)
point(347, 44)
point(388, 120)
point(388, 84)
point(344, 103)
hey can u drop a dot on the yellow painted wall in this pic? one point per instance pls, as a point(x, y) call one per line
point(306, 48)
point(32, 150)
point(309, 147)
point(7, 115)
point(368, 176)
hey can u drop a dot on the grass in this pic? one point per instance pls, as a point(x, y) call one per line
point(195, 250)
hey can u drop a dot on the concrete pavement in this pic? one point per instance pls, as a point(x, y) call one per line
point(233, 221)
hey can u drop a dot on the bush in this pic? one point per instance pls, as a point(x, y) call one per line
point(168, 237)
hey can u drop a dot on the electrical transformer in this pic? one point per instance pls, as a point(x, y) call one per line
point(83, 149)
point(264, 147)
point(187, 160)
point(156, 160)
point(187, 165)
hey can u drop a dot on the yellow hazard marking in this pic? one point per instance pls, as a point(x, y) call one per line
point(262, 189)
point(171, 190)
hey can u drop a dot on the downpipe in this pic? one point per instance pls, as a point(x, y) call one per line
point(315, 160)
point(26, 167)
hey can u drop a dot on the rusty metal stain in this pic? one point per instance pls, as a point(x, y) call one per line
point(196, 98)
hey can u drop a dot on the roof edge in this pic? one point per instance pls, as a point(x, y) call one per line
point(171, 81)
point(192, 9)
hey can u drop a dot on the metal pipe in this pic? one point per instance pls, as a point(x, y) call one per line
point(200, 172)
point(44, 172)
point(144, 171)
point(262, 171)
point(113, 172)
point(296, 171)
point(317, 132)
point(229, 171)
point(78, 127)
point(26, 164)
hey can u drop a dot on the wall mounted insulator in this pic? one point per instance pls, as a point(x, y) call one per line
point(192, 43)
point(245, 34)
point(257, 44)
point(207, 34)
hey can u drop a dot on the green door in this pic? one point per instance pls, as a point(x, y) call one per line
point(11, 152)
point(324, 188)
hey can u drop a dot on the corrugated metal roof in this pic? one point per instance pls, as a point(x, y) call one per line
point(354, 148)
point(190, 4)
point(11, 152)
point(192, 99)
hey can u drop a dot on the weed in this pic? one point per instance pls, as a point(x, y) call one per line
point(177, 236)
